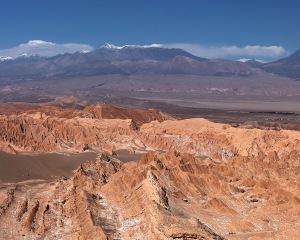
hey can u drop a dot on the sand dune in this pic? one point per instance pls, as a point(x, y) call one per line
point(21, 167)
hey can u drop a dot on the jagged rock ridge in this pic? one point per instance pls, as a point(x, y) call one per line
point(220, 183)
point(56, 129)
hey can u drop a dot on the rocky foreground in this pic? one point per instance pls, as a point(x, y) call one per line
point(197, 180)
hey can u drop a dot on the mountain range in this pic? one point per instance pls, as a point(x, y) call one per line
point(127, 60)
point(119, 60)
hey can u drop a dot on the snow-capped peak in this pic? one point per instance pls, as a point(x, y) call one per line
point(5, 58)
point(85, 51)
point(28, 55)
point(23, 55)
point(112, 46)
point(244, 60)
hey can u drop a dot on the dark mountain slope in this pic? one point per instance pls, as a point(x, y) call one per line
point(289, 66)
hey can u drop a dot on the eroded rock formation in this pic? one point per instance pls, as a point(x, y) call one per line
point(39, 132)
point(52, 128)
point(199, 180)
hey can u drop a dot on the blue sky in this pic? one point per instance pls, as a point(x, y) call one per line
point(201, 26)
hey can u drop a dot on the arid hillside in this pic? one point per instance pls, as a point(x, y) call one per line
point(196, 180)
point(52, 128)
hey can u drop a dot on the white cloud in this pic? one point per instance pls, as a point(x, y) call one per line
point(43, 48)
point(232, 52)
